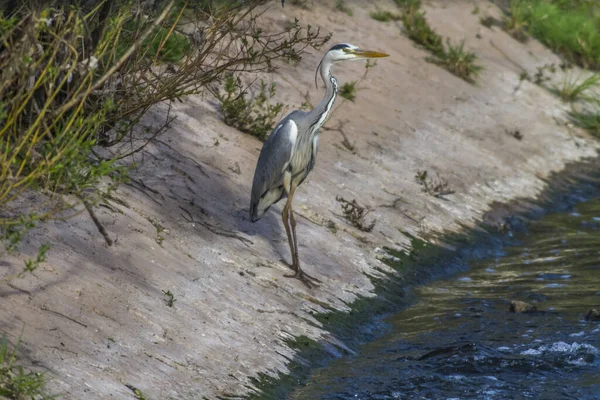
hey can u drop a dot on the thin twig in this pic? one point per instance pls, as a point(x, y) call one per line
point(99, 225)
point(141, 183)
point(215, 229)
point(142, 190)
point(44, 308)
point(340, 128)
point(516, 64)
point(196, 163)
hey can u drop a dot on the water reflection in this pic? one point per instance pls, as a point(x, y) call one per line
point(460, 342)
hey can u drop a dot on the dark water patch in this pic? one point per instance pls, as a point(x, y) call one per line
point(367, 321)
point(460, 340)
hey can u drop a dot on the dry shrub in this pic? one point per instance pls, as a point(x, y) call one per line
point(75, 81)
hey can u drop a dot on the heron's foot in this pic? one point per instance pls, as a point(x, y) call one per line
point(304, 278)
point(290, 266)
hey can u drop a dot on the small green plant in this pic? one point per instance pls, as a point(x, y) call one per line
point(33, 264)
point(300, 3)
point(257, 115)
point(341, 5)
point(488, 21)
point(452, 57)
point(588, 120)
point(419, 31)
point(160, 229)
point(384, 16)
point(458, 61)
point(515, 23)
point(524, 76)
point(356, 214)
point(137, 393)
point(15, 381)
point(540, 76)
point(436, 188)
point(170, 298)
point(13, 234)
point(403, 4)
point(348, 90)
point(573, 88)
point(162, 45)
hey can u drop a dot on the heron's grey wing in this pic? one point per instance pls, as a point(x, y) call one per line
point(275, 156)
point(313, 158)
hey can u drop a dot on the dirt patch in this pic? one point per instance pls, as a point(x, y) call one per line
point(97, 318)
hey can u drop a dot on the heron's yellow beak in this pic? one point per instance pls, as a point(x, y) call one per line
point(369, 54)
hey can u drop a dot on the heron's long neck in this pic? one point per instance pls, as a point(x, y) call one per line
point(320, 113)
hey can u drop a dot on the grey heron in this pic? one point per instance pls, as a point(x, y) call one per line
point(288, 155)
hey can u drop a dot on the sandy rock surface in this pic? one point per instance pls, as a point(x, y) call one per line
point(95, 317)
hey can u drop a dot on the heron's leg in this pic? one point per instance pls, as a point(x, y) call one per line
point(287, 180)
point(295, 258)
point(286, 225)
point(298, 273)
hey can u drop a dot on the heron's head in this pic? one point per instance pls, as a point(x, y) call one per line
point(345, 51)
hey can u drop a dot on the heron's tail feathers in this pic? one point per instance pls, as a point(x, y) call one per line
point(254, 214)
point(260, 207)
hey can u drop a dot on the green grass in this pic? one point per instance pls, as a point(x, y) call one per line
point(515, 23)
point(300, 3)
point(348, 91)
point(574, 88)
point(487, 21)
point(454, 58)
point(587, 120)
point(15, 381)
point(408, 3)
point(162, 45)
point(384, 16)
point(341, 5)
point(569, 27)
point(419, 31)
point(460, 62)
point(174, 48)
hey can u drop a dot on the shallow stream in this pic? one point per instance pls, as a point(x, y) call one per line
point(459, 340)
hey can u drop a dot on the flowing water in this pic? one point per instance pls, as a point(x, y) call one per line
point(459, 340)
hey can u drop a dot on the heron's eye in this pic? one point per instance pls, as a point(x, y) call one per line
point(347, 50)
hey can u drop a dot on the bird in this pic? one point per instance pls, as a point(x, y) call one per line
point(289, 153)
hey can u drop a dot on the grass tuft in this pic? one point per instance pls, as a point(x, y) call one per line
point(454, 58)
point(341, 5)
point(15, 381)
point(573, 89)
point(384, 16)
point(300, 3)
point(419, 31)
point(459, 61)
point(488, 21)
point(515, 23)
point(348, 91)
point(588, 120)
